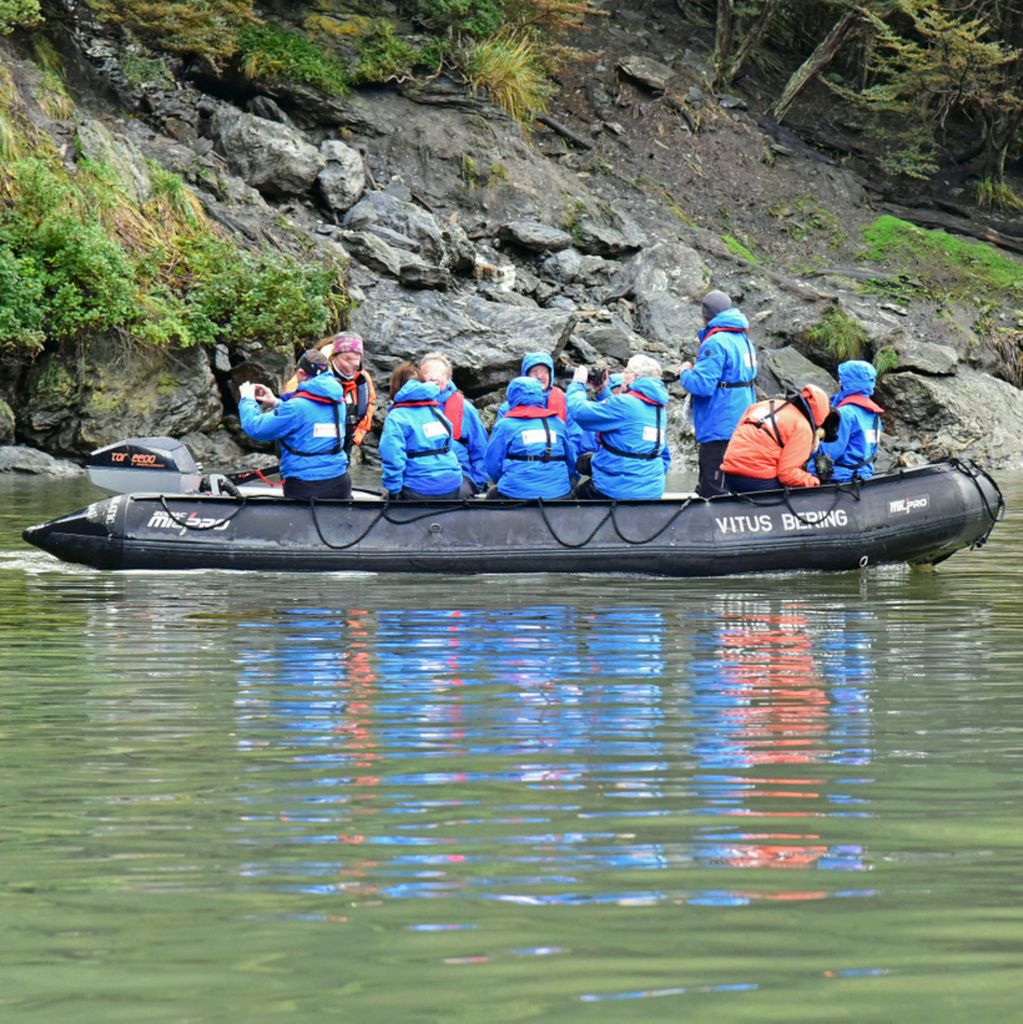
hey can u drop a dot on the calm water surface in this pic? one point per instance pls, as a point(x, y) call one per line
point(242, 797)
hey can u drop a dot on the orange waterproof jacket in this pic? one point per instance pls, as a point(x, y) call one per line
point(766, 446)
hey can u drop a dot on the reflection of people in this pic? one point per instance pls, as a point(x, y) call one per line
point(774, 441)
point(415, 444)
point(859, 428)
point(309, 427)
point(721, 384)
point(466, 426)
point(541, 366)
point(633, 454)
point(530, 454)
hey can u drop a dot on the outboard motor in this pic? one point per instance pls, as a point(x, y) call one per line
point(155, 464)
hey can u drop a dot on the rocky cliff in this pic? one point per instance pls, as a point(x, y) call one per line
point(592, 239)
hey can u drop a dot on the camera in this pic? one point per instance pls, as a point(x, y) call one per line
point(596, 377)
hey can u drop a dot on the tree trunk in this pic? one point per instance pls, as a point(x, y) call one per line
point(750, 41)
point(818, 60)
point(722, 38)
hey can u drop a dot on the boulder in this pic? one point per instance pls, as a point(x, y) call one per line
point(19, 459)
point(118, 154)
point(651, 73)
point(780, 370)
point(343, 178)
point(271, 157)
point(534, 236)
point(484, 340)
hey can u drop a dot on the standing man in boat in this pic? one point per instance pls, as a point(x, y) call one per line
point(309, 427)
point(541, 366)
point(721, 383)
point(859, 430)
point(774, 441)
point(632, 456)
point(345, 352)
point(466, 425)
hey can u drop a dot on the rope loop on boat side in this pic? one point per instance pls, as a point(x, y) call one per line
point(202, 524)
point(565, 543)
point(974, 472)
point(851, 487)
point(657, 533)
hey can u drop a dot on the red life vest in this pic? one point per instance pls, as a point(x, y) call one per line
point(556, 402)
point(454, 409)
point(530, 412)
point(863, 402)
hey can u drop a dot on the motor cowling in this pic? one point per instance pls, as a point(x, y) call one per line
point(156, 464)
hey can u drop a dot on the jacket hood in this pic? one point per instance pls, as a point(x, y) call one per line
point(818, 402)
point(445, 393)
point(651, 388)
point(525, 391)
point(855, 377)
point(325, 385)
point(531, 359)
point(729, 318)
point(417, 391)
point(614, 380)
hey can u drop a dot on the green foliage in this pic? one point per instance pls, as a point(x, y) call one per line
point(478, 18)
point(806, 217)
point(996, 195)
point(885, 360)
point(76, 256)
point(206, 28)
point(384, 57)
point(511, 71)
point(269, 52)
point(18, 14)
point(734, 246)
point(973, 272)
point(139, 70)
point(839, 335)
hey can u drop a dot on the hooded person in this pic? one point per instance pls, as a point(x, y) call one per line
point(859, 430)
point(541, 366)
point(345, 352)
point(309, 428)
point(466, 425)
point(774, 441)
point(530, 454)
point(632, 455)
point(721, 383)
point(416, 452)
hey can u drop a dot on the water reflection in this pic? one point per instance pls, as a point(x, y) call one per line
point(502, 752)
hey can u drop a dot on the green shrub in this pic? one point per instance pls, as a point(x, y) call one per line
point(474, 17)
point(885, 360)
point(269, 52)
point(734, 246)
point(839, 335)
point(18, 14)
point(21, 303)
point(383, 56)
point(996, 195)
point(511, 71)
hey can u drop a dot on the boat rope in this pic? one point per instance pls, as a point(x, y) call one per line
point(385, 514)
point(202, 524)
point(565, 543)
point(653, 536)
point(341, 547)
point(851, 487)
point(974, 472)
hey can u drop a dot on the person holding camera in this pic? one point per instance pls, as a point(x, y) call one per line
point(774, 441)
point(309, 427)
point(603, 385)
point(632, 455)
point(859, 431)
point(721, 383)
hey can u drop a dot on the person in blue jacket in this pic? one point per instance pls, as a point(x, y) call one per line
point(541, 366)
point(721, 383)
point(309, 427)
point(466, 425)
point(585, 441)
point(530, 454)
point(632, 458)
point(859, 430)
point(416, 448)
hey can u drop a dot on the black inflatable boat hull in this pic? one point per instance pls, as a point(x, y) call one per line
point(917, 516)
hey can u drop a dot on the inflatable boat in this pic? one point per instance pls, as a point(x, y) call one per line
point(917, 516)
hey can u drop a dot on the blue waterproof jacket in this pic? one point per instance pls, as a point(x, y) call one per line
point(471, 446)
point(859, 432)
point(530, 454)
point(416, 449)
point(301, 424)
point(586, 440)
point(529, 360)
point(632, 457)
point(721, 380)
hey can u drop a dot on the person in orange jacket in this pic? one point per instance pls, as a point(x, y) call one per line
point(774, 441)
point(345, 353)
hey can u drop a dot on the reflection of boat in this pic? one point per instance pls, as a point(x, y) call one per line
point(920, 516)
